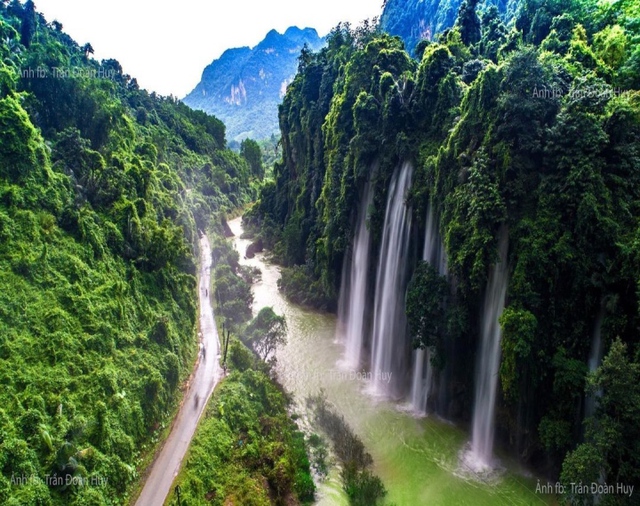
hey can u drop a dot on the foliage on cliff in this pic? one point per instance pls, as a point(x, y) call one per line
point(416, 20)
point(535, 127)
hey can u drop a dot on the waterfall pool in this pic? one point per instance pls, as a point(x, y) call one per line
point(418, 459)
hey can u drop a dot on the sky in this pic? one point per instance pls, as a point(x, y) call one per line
point(167, 45)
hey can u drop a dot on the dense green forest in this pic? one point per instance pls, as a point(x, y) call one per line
point(532, 126)
point(535, 126)
point(103, 187)
point(247, 450)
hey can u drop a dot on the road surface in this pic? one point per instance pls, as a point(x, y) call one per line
point(167, 463)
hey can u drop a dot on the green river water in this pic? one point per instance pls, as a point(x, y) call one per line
point(416, 458)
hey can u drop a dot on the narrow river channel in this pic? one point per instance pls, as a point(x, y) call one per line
point(416, 458)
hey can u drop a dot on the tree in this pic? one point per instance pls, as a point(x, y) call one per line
point(74, 155)
point(611, 45)
point(251, 152)
point(265, 333)
point(234, 296)
point(612, 439)
point(426, 299)
point(87, 49)
point(494, 33)
point(469, 22)
point(28, 27)
point(518, 335)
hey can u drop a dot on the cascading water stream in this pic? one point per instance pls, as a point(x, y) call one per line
point(488, 363)
point(591, 400)
point(422, 382)
point(595, 359)
point(352, 312)
point(389, 322)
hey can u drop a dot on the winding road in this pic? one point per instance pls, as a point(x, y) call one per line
point(207, 374)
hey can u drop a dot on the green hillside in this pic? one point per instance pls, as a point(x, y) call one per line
point(103, 187)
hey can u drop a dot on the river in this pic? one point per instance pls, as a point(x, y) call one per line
point(418, 459)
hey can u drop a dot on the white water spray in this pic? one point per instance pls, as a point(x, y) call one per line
point(488, 363)
point(389, 321)
point(422, 381)
point(595, 359)
point(352, 313)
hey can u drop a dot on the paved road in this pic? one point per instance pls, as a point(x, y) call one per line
point(167, 463)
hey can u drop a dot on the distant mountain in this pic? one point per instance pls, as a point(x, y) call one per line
point(244, 86)
point(414, 20)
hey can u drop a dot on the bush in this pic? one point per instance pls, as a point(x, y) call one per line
point(247, 449)
point(362, 487)
point(301, 288)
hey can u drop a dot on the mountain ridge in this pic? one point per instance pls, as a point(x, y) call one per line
point(244, 86)
point(414, 20)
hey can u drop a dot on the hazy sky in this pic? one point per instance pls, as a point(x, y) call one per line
point(167, 45)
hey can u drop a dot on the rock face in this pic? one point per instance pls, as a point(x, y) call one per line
point(226, 228)
point(253, 248)
point(414, 20)
point(244, 86)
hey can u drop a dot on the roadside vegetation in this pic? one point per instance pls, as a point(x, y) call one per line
point(247, 449)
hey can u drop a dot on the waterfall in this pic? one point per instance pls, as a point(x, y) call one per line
point(422, 381)
point(433, 251)
point(343, 302)
point(488, 359)
point(595, 358)
point(389, 323)
point(352, 311)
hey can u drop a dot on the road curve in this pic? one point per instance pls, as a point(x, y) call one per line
point(167, 463)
